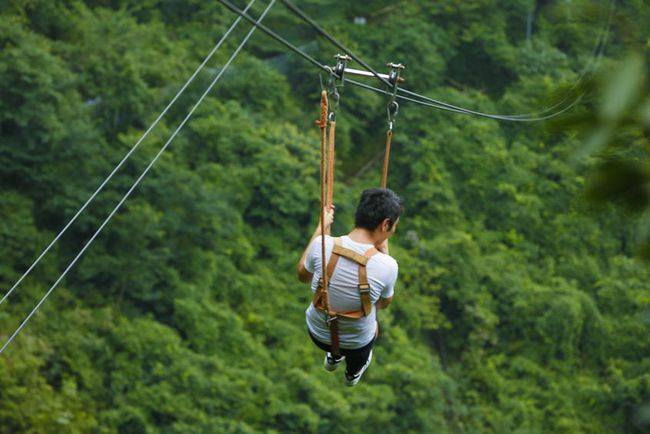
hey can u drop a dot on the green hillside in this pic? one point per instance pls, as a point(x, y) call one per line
point(520, 307)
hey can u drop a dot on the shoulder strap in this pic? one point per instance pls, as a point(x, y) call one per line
point(364, 287)
point(350, 254)
point(334, 258)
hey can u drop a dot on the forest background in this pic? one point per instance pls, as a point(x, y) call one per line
point(521, 307)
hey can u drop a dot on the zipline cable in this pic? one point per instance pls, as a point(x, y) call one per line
point(404, 98)
point(316, 63)
point(303, 16)
point(441, 104)
point(437, 104)
point(313, 61)
point(142, 175)
point(598, 52)
point(592, 65)
point(440, 107)
point(274, 35)
point(128, 154)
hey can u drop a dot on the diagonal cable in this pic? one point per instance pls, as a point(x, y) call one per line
point(126, 157)
point(137, 144)
point(303, 16)
point(142, 175)
point(272, 34)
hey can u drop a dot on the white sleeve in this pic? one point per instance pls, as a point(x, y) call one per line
point(314, 247)
point(389, 289)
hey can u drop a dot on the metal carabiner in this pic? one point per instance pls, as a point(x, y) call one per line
point(334, 97)
point(392, 109)
point(333, 92)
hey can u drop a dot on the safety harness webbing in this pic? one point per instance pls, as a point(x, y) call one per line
point(331, 135)
point(384, 173)
point(321, 297)
point(323, 139)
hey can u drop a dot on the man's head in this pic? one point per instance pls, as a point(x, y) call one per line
point(378, 210)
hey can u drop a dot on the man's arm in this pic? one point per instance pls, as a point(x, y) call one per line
point(383, 301)
point(304, 275)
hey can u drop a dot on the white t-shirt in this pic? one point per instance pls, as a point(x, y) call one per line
point(344, 292)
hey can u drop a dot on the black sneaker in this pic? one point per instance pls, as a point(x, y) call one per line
point(352, 380)
point(331, 363)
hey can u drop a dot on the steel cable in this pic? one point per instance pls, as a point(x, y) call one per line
point(128, 154)
point(142, 175)
point(426, 100)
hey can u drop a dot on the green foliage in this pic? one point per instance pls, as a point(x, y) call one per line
point(516, 311)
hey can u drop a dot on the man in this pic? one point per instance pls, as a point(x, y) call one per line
point(376, 219)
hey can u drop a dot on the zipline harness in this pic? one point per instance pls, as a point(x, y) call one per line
point(327, 141)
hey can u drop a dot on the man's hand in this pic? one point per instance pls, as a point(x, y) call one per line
point(304, 275)
point(383, 303)
point(329, 219)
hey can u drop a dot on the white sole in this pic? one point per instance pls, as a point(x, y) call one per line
point(357, 377)
point(332, 368)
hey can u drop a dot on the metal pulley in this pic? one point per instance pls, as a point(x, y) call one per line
point(341, 63)
point(395, 72)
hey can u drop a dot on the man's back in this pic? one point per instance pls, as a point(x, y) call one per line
point(344, 293)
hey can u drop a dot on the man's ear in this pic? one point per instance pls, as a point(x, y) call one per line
point(386, 225)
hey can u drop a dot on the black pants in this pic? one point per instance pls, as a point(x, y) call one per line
point(354, 359)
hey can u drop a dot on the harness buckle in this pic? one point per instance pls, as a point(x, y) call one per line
point(363, 288)
point(331, 318)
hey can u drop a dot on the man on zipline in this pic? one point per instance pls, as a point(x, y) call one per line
point(364, 258)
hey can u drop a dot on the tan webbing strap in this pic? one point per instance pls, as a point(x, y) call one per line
point(350, 254)
point(364, 287)
point(355, 314)
point(384, 173)
point(331, 135)
point(332, 317)
point(321, 300)
point(331, 265)
point(322, 295)
point(334, 335)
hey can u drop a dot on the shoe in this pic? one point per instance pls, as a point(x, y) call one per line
point(352, 380)
point(330, 363)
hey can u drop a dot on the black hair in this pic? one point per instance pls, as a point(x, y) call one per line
point(376, 205)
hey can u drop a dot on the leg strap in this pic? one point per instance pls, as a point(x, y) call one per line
point(334, 336)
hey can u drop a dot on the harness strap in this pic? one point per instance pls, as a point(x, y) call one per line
point(350, 254)
point(324, 296)
point(331, 265)
point(364, 288)
point(330, 163)
point(384, 173)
